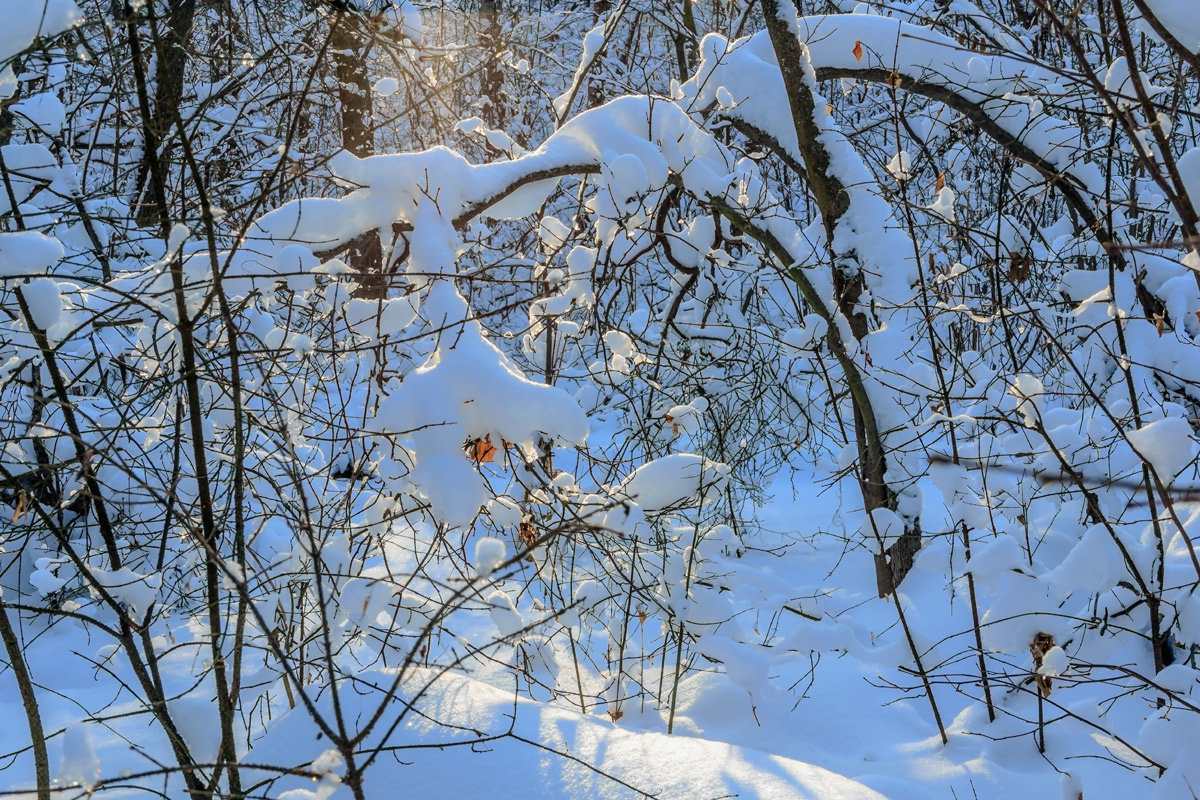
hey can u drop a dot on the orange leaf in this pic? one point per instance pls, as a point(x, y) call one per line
point(858, 51)
point(481, 451)
point(941, 182)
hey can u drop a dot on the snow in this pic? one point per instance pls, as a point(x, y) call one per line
point(27, 253)
point(325, 765)
point(593, 43)
point(363, 600)
point(1118, 81)
point(1178, 17)
point(991, 559)
point(943, 206)
point(1028, 390)
point(1189, 172)
point(745, 667)
point(1166, 444)
point(680, 478)
point(43, 110)
point(687, 418)
point(1054, 662)
point(385, 87)
point(197, 721)
point(1092, 564)
point(79, 764)
point(736, 731)
point(44, 300)
point(700, 616)
point(504, 511)
point(580, 756)
point(38, 18)
point(465, 392)
point(44, 579)
point(900, 167)
point(504, 613)
point(385, 316)
point(410, 20)
point(134, 592)
point(489, 554)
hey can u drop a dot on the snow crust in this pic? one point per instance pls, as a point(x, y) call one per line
point(677, 767)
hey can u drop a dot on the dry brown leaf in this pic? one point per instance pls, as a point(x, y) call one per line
point(941, 182)
point(1018, 267)
point(858, 51)
point(481, 451)
point(22, 504)
point(527, 534)
point(616, 715)
point(1042, 643)
point(893, 79)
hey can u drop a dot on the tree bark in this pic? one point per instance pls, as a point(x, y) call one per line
point(170, 48)
point(894, 562)
point(491, 84)
point(351, 45)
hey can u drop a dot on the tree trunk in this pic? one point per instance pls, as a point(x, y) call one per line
point(170, 49)
point(893, 563)
point(596, 95)
point(351, 46)
point(491, 85)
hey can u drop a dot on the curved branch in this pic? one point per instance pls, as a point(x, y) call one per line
point(1069, 186)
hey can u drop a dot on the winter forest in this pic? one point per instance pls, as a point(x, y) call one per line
point(617, 399)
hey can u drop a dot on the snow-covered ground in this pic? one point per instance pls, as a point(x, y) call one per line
point(816, 712)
